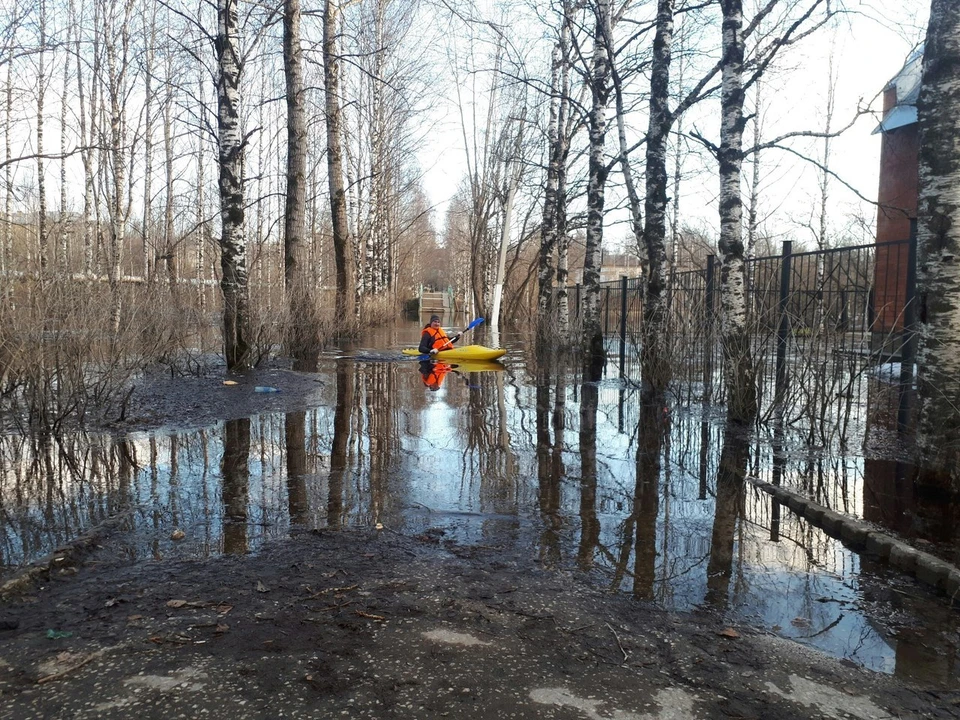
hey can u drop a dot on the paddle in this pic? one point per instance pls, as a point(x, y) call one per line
point(471, 326)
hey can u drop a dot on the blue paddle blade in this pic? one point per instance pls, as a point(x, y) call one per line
point(473, 324)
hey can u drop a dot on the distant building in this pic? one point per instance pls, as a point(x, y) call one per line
point(898, 191)
point(612, 267)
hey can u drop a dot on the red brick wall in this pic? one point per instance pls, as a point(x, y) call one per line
point(897, 197)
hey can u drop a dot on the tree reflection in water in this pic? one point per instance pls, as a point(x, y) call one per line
point(550, 462)
point(728, 508)
point(589, 524)
point(295, 441)
point(341, 440)
point(235, 470)
point(646, 498)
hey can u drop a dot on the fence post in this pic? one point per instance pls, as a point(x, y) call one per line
point(708, 339)
point(908, 352)
point(606, 309)
point(623, 322)
point(783, 331)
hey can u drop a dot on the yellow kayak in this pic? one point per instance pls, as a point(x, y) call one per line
point(469, 366)
point(467, 352)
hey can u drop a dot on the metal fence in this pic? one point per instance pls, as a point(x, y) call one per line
point(824, 326)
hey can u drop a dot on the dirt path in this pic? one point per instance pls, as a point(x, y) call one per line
point(378, 625)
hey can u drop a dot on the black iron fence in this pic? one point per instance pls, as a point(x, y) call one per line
point(829, 328)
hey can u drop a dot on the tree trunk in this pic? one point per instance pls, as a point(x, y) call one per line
point(655, 359)
point(42, 230)
point(592, 332)
point(552, 225)
point(739, 371)
point(938, 248)
point(300, 330)
point(233, 251)
point(346, 311)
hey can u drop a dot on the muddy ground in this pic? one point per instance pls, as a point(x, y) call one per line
point(375, 624)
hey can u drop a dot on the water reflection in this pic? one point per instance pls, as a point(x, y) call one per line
point(295, 438)
point(589, 524)
point(236, 484)
point(728, 509)
point(646, 499)
point(649, 497)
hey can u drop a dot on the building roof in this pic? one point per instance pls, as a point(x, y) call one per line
point(907, 84)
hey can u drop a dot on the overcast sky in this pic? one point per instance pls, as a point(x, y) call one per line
point(869, 48)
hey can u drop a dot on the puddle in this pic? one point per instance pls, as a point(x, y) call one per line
point(497, 458)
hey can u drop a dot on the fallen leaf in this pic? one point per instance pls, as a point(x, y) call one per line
point(176, 603)
point(729, 632)
point(178, 534)
point(230, 382)
point(261, 587)
point(221, 628)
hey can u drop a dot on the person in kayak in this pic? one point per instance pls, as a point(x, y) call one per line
point(433, 338)
point(433, 372)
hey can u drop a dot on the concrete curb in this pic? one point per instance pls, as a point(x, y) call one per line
point(862, 537)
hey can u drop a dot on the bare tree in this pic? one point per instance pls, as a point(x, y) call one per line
point(346, 311)
point(739, 372)
point(300, 329)
point(233, 251)
point(594, 353)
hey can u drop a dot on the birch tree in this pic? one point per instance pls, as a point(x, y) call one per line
point(231, 143)
point(553, 225)
point(938, 246)
point(594, 354)
point(739, 370)
point(300, 329)
point(655, 358)
point(346, 311)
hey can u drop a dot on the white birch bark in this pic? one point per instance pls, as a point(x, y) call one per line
point(301, 332)
point(502, 256)
point(938, 248)
point(655, 360)
point(85, 135)
point(346, 311)
point(592, 333)
point(62, 245)
point(42, 228)
point(6, 248)
point(739, 372)
point(558, 148)
point(116, 47)
point(233, 251)
point(149, 33)
point(201, 221)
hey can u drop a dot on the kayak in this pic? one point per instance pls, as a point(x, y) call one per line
point(470, 366)
point(467, 352)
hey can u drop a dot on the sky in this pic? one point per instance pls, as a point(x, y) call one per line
point(869, 48)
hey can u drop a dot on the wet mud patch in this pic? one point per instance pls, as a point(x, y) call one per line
point(378, 624)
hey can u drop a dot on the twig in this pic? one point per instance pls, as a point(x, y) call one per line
point(55, 676)
point(625, 655)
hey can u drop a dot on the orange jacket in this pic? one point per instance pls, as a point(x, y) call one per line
point(433, 373)
point(433, 338)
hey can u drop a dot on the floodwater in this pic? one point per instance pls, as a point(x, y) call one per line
point(649, 502)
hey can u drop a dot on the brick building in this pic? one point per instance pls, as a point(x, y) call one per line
point(898, 192)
